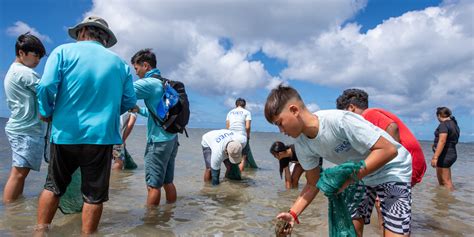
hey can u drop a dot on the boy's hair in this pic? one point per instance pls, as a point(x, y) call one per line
point(29, 43)
point(144, 55)
point(240, 102)
point(357, 97)
point(278, 98)
point(97, 34)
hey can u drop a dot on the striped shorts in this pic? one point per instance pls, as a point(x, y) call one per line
point(395, 204)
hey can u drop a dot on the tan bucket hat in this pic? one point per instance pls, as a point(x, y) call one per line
point(97, 22)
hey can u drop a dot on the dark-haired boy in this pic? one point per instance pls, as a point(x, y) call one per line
point(162, 146)
point(341, 136)
point(24, 129)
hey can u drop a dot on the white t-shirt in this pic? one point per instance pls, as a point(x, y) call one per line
point(237, 119)
point(345, 136)
point(217, 141)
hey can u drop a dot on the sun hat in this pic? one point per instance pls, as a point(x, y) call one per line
point(234, 150)
point(97, 22)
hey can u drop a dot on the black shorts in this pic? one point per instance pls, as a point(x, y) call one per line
point(95, 164)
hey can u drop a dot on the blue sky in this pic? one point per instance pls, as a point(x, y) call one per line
point(410, 56)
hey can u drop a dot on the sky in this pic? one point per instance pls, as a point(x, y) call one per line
point(410, 56)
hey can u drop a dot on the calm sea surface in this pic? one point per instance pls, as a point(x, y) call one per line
point(245, 208)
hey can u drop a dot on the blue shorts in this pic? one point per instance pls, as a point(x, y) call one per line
point(159, 162)
point(27, 151)
point(246, 149)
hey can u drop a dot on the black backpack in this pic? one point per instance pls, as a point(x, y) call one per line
point(177, 117)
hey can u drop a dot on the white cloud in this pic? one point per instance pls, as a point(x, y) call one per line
point(313, 107)
point(185, 35)
point(410, 63)
point(20, 28)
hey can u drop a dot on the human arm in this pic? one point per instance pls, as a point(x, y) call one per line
point(439, 148)
point(307, 195)
point(227, 124)
point(47, 88)
point(129, 98)
point(288, 180)
point(392, 129)
point(128, 129)
point(247, 127)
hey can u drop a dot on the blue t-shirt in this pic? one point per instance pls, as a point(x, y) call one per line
point(85, 88)
point(150, 89)
point(345, 136)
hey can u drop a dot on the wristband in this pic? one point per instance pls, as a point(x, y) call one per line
point(293, 214)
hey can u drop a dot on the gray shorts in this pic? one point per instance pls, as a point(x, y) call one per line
point(159, 162)
point(395, 204)
point(27, 151)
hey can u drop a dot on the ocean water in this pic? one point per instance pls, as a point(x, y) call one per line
point(234, 208)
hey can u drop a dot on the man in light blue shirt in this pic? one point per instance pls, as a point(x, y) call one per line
point(162, 147)
point(84, 89)
point(23, 129)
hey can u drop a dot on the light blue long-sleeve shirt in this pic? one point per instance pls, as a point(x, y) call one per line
point(20, 92)
point(85, 87)
point(151, 90)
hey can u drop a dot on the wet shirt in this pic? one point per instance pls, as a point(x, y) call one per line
point(237, 119)
point(150, 90)
point(20, 92)
point(217, 140)
point(345, 136)
point(452, 129)
point(382, 119)
point(85, 88)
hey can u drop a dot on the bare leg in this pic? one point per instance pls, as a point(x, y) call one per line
point(154, 195)
point(47, 206)
point(15, 184)
point(242, 164)
point(379, 215)
point(359, 226)
point(117, 165)
point(207, 175)
point(91, 214)
point(446, 177)
point(295, 176)
point(439, 175)
point(388, 233)
point(170, 191)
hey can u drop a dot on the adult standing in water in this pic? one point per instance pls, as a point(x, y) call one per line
point(444, 146)
point(239, 120)
point(84, 89)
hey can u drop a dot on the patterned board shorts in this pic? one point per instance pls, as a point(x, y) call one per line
point(395, 204)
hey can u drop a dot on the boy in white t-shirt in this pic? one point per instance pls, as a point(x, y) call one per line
point(239, 120)
point(127, 122)
point(221, 146)
point(341, 136)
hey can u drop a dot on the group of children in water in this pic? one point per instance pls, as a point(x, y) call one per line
point(391, 157)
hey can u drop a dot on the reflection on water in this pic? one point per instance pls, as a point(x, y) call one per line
point(244, 208)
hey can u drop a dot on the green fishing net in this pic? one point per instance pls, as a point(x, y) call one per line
point(234, 172)
point(128, 163)
point(250, 161)
point(331, 180)
point(71, 202)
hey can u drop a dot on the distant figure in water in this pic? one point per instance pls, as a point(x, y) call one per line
point(444, 147)
point(286, 156)
point(24, 129)
point(239, 120)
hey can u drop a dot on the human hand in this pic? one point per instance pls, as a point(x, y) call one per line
point(434, 161)
point(285, 223)
point(346, 184)
point(45, 119)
